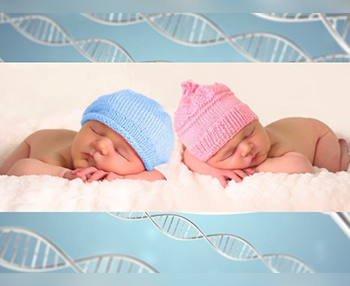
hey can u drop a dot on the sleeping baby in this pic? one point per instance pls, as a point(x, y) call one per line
point(224, 138)
point(123, 135)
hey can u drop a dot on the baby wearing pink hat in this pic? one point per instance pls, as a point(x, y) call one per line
point(223, 138)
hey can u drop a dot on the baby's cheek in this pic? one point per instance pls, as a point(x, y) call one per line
point(135, 167)
point(115, 165)
point(238, 163)
point(212, 163)
point(220, 165)
point(81, 163)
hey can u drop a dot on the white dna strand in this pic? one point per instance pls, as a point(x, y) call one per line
point(117, 18)
point(343, 221)
point(28, 251)
point(228, 245)
point(197, 30)
point(333, 58)
point(46, 31)
point(338, 24)
point(290, 17)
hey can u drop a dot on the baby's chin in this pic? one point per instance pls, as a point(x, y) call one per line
point(261, 159)
point(81, 164)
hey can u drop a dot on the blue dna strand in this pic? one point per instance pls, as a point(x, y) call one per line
point(337, 24)
point(228, 245)
point(46, 31)
point(197, 30)
point(28, 251)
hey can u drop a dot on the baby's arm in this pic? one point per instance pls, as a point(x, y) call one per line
point(196, 165)
point(222, 175)
point(291, 163)
point(151, 176)
point(21, 152)
point(18, 163)
point(30, 166)
point(91, 174)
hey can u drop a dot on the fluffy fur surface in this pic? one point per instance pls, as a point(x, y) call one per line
point(183, 191)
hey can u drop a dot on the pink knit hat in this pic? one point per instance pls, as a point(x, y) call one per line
point(208, 116)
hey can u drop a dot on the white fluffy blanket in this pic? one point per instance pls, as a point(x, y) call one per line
point(183, 191)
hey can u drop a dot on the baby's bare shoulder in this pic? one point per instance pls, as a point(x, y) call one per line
point(50, 134)
point(295, 134)
point(299, 123)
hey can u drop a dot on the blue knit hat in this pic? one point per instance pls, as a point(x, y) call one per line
point(140, 120)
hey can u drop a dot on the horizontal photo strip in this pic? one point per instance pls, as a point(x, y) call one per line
point(184, 137)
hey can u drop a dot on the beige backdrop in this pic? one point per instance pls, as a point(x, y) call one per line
point(272, 90)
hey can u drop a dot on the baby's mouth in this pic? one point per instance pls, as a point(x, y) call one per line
point(87, 155)
point(89, 158)
point(255, 157)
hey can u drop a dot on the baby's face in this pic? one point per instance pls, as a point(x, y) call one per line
point(248, 148)
point(99, 146)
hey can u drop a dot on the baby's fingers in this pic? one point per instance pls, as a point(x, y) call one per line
point(97, 176)
point(68, 175)
point(236, 177)
point(223, 181)
point(249, 171)
point(75, 171)
point(242, 174)
point(112, 176)
point(85, 172)
point(232, 175)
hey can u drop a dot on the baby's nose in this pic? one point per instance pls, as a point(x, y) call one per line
point(102, 146)
point(246, 149)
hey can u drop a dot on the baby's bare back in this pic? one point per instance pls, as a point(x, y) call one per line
point(302, 135)
point(51, 146)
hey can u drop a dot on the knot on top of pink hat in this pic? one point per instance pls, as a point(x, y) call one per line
point(188, 87)
point(201, 95)
point(208, 116)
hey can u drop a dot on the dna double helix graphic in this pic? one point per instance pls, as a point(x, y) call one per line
point(46, 31)
point(197, 30)
point(227, 245)
point(338, 25)
point(28, 251)
point(187, 29)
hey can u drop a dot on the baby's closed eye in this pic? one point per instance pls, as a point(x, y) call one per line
point(228, 154)
point(251, 133)
point(97, 132)
point(122, 152)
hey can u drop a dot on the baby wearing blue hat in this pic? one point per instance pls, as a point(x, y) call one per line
point(123, 135)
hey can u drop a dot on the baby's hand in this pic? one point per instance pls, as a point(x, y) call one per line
point(224, 176)
point(84, 173)
point(113, 176)
point(91, 174)
point(69, 175)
